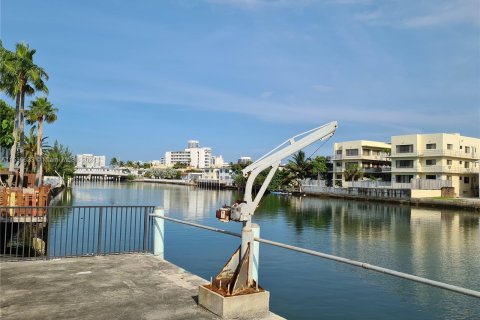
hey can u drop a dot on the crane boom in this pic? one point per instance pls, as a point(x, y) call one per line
point(243, 211)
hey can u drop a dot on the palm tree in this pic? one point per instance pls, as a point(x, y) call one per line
point(114, 162)
point(31, 150)
point(60, 161)
point(20, 77)
point(353, 171)
point(299, 166)
point(41, 110)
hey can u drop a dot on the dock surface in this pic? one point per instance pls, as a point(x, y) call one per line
point(132, 286)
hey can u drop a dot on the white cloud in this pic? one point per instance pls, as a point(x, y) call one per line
point(422, 13)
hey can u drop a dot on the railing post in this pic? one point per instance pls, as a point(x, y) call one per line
point(99, 241)
point(158, 233)
point(256, 251)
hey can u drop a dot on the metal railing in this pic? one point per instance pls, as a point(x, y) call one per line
point(437, 284)
point(66, 231)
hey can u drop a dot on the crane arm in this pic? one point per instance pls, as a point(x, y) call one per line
point(243, 211)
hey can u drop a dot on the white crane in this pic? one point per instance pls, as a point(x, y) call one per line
point(236, 276)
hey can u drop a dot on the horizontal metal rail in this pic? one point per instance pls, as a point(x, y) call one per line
point(355, 263)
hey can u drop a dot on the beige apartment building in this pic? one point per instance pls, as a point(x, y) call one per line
point(440, 156)
point(372, 156)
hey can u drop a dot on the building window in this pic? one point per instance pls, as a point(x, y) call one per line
point(461, 147)
point(467, 149)
point(431, 177)
point(449, 162)
point(403, 178)
point(339, 176)
point(466, 180)
point(366, 152)
point(449, 146)
point(405, 148)
point(352, 152)
point(431, 146)
point(339, 151)
point(338, 164)
point(449, 178)
point(467, 164)
point(404, 163)
point(431, 162)
point(460, 162)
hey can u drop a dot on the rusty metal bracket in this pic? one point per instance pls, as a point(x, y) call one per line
point(233, 278)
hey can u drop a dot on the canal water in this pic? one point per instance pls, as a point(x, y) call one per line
point(442, 245)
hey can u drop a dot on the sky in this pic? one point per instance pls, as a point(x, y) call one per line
point(133, 79)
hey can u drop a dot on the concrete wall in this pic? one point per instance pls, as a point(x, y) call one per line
point(426, 193)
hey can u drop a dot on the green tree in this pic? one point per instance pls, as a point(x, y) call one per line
point(180, 165)
point(353, 171)
point(299, 166)
point(319, 167)
point(7, 114)
point(20, 77)
point(41, 110)
point(31, 150)
point(114, 162)
point(59, 160)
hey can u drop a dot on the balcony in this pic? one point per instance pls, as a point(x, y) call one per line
point(379, 157)
point(437, 153)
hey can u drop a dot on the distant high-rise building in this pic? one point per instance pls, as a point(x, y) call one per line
point(193, 144)
point(244, 160)
point(193, 156)
point(90, 161)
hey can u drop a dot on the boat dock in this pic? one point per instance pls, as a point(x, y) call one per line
point(131, 286)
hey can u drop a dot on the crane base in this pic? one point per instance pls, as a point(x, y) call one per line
point(250, 305)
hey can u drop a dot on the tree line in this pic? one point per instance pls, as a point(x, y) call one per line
point(21, 80)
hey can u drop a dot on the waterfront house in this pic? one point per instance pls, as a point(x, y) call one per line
point(372, 157)
point(439, 156)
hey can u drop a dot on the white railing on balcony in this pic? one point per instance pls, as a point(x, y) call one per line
point(429, 184)
point(437, 153)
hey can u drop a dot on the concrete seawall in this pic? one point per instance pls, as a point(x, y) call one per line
point(470, 204)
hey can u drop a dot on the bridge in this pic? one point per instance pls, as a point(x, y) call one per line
point(99, 174)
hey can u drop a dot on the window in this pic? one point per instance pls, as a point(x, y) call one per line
point(339, 176)
point(449, 146)
point(431, 177)
point(431, 162)
point(460, 162)
point(449, 178)
point(431, 146)
point(339, 151)
point(366, 152)
point(403, 178)
point(467, 164)
point(352, 152)
point(405, 148)
point(461, 147)
point(338, 164)
point(467, 149)
point(466, 180)
point(449, 162)
point(404, 163)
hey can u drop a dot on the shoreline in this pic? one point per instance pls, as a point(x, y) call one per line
point(450, 203)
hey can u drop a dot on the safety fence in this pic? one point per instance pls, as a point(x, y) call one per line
point(67, 231)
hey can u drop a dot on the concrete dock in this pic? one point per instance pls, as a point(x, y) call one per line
point(104, 287)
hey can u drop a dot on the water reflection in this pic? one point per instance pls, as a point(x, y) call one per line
point(442, 245)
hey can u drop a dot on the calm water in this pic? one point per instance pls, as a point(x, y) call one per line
point(443, 245)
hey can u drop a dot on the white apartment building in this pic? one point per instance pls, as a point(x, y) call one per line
point(89, 161)
point(440, 156)
point(372, 157)
point(244, 160)
point(194, 156)
point(217, 162)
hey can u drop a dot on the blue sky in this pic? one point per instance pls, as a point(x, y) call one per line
point(134, 79)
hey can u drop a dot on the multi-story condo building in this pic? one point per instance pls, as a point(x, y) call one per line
point(372, 157)
point(90, 161)
point(244, 160)
point(440, 156)
point(193, 156)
